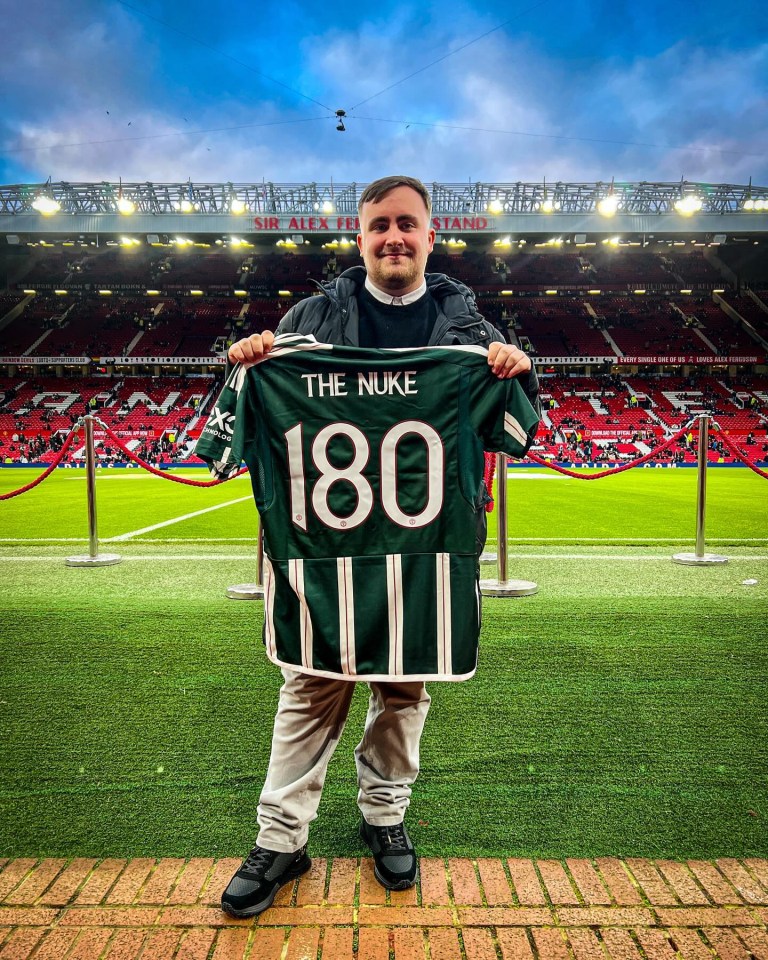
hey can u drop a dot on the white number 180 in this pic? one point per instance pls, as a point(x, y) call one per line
point(353, 473)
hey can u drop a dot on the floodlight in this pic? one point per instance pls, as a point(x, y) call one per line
point(126, 206)
point(46, 205)
point(749, 204)
point(608, 206)
point(186, 206)
point(495, 206)
point(547, 206)
point(328, 207)
point(687, 206)
point(237, 206)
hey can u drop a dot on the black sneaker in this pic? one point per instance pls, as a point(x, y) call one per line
point(262, 873)
point(394, 859)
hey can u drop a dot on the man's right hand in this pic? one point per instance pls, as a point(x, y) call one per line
point(251, 349)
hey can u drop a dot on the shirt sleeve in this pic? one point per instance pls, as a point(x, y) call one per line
point(229, 428)
point(507, 422)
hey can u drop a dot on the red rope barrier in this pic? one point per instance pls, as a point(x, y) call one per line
point(607, 473)
point(740, 456)
point(159, 473)
point(59, 457)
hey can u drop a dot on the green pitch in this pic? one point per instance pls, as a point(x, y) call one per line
point(622, 710)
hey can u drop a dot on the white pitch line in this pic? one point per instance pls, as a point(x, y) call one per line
point(587, 540)
point(196, 557)
point(168, 523)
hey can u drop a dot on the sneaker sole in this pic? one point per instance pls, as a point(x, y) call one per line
point(399, 885)
point(265, 904)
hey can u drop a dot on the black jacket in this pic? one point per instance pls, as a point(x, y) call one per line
point(334, 317)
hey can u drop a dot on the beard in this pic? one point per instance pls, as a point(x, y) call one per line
point(390, 276)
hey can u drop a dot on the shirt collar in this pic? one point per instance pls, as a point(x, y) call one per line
point(387, 298)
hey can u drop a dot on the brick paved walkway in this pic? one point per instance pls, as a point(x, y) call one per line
point(461, 910)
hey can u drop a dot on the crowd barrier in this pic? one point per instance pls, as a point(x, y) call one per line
point(503, 586)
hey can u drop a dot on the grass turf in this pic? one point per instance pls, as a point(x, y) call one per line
point(622, 710)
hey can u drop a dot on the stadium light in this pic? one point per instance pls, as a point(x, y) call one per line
point(608, 206)
point(549, 206)
point(687, 206)
point(495, 206)
point(503, 242)
point(126, 206)
point(237, 206)
point(46, 205)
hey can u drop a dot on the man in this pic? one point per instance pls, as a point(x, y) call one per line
point(388, 303)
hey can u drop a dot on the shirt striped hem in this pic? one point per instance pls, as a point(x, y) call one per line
point(372, 677)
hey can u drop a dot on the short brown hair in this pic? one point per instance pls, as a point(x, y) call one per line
point(380, 188)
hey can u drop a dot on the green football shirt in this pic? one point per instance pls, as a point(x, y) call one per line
point(367, 470)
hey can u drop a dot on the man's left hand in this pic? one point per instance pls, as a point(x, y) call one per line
point(508, 361)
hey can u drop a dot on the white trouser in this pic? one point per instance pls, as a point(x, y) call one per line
point(310, 718)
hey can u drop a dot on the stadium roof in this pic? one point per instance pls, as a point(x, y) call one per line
point(524, 209)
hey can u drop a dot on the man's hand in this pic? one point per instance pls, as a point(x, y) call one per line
point(507, 361)
point(251, 349)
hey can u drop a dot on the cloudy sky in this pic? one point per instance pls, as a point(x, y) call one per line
point(581, 90)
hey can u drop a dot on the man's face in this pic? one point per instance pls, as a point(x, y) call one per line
point(395, 240)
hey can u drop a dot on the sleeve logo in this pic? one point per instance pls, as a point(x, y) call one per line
point(220, 421)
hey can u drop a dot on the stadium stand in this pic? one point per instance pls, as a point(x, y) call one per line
point(587, 417)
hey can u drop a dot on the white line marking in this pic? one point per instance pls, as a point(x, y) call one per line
point(196, 557)
point(582, 541)
point(168, 523)
point(587, 540)
point(23, 540)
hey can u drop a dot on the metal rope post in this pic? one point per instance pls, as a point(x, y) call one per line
point(699, 558)
point(251, 591)
point(94, 558)
point(504, 587)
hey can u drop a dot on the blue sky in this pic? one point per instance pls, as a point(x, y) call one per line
point(162, 90)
